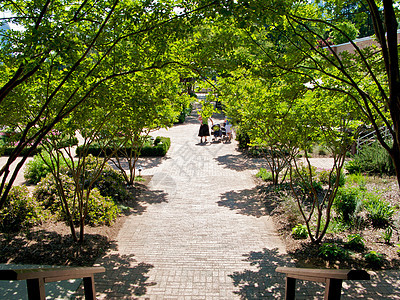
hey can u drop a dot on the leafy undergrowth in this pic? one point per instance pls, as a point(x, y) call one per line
point(335, 251)
point(51, 243)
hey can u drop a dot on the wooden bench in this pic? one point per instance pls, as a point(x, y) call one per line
point(36, 278)
point(332, 278)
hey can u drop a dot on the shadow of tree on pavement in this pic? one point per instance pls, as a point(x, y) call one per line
point(124, 278)
point(142, 197)
point(241, 162)
point(144, 162)
point(247, 202)
point(263, 282)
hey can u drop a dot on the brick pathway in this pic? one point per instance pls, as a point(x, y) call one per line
point(202, 234)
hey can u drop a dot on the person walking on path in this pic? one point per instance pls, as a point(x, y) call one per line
point(205, 115)
point(204, 129)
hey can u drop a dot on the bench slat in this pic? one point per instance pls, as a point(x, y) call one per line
point(49, 273)
point(317, 274)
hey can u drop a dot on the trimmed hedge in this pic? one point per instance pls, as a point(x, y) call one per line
point(8, 150)
point(159, 148)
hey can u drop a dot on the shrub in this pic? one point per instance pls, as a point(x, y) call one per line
point(101, 210)
point(342, 179)
point(243, 138)
point(353, 167)
point(323, 176)
point(111, 184)
point(355, 242)
point(304, 172)
point(264, 174)
point(159, 148)
point(299, 232)
point(378, 211)
point(346, 201)
point(20, 211)
point(372, 159)
point(375, 260)
point(47, 194)
point(38, 168)
point(332, 252)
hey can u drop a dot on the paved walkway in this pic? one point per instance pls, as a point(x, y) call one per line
point(201, 233)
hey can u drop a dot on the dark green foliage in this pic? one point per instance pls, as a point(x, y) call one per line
point(333, 252)
point(159, 148)
point(38, 168)
point(101, 210)
point(299, 232)
point(375, 260)
point(342, 179)
point(20, 211)
point(243, 139)
point(264, 174)
point(373, 159)
point(378, 211)
point(346, 201)
point(47, 194)
point(8, 150)
point(111, 184)
point(186, 111)
point(355, 242)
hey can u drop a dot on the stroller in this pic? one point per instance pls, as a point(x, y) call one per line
point(219, 132)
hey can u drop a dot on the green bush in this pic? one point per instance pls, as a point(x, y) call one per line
point(47, 195)
point(378, 211)
point(111, 184)
point(355, 242)
point(20, 211)
point(342, 179)
point(243, 138)
point(37, 168)
point(353, 167)
point(346, 202)
point(299, 232)
point(101, 210)
point(264, 174)
point(8, 150)
point(333, 252)
point(373, 159)
point(375, 260)
point(159, 148)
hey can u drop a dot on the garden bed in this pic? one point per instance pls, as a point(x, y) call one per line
point(306, 254)
point(51, 243)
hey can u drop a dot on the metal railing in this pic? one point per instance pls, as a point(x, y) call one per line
point(370, 137)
